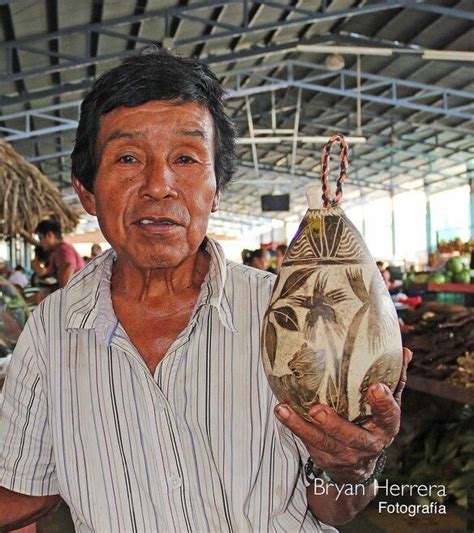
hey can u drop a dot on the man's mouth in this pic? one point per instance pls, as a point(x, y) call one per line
point(152, 223)
point(156, 220)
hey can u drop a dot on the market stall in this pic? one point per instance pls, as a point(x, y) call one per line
point(27, 196)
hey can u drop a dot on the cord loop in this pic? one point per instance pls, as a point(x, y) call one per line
point(325, 159)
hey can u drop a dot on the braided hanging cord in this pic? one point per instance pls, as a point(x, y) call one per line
point(325, 159)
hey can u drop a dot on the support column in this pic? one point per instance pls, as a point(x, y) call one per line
point(11, 252)
point(394, 233)
point(470, 177)
point(429, 247)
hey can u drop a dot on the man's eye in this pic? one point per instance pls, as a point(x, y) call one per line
point(127, 159)
point(185, 159)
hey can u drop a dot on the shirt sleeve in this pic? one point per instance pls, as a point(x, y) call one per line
point(26, 454)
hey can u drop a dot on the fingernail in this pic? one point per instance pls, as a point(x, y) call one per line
point(320, 416)
point(283, 412)
point(378, 391)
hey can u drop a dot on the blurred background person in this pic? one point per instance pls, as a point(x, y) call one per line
point(96, 249)
point(5, 271)
point(279, 255)
point(255, 259)
point(64, 261)
point(39, 262)
point(19, 278)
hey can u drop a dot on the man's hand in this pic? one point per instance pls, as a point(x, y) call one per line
point(345, 451)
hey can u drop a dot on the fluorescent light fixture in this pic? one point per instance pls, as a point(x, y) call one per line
point(448, 55)
point(259, 140)
point(353, 50)
point(277, 131)
point(301, 138)
point(322, 139)
point(442, 55)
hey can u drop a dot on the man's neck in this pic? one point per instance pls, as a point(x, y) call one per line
point(161, 283)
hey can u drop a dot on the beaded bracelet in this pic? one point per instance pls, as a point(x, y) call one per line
point(311, 473)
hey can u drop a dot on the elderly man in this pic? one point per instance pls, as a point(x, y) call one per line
point(136, 392)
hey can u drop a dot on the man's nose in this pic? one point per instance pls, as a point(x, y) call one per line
point(158, 181)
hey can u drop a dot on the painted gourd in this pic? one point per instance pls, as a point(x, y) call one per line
point(331, 329)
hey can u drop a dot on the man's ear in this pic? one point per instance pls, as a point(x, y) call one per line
point(215, 202)
point(87, 198)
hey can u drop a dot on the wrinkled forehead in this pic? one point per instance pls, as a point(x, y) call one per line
point(157, 117)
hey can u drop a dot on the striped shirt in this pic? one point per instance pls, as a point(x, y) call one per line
point(194, 447)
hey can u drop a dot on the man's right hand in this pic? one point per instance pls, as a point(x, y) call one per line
point(18, 510)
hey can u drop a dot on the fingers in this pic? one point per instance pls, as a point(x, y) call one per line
point(311, 435)
point(341, 461)
point(328, 432)
point(385, 411)
point(407, 357)
point(347, 433)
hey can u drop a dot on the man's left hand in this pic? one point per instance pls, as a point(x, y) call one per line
point(345, 451)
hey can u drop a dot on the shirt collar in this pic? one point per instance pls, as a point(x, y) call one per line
point(213, 288)
point(88, 303)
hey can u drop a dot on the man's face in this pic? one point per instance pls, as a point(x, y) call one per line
point(47, 241)
point(155, 185)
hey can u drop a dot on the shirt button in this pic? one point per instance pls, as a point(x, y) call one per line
point(175, 482)
point(161, 405)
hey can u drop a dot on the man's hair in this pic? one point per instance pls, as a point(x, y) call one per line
point(46, 226)
point(154, 74)
point(282, 248)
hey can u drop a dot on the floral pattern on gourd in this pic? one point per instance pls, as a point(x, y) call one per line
point(312, 373)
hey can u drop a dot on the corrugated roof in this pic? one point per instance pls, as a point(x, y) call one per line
point(416, 113)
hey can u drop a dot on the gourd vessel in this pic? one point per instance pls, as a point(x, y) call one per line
point(331, 329)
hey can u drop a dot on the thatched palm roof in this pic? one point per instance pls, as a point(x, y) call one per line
point(27, 196)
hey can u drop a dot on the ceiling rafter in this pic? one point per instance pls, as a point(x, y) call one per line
point(413, 74)
point(346, 87)
point(438, 10)
point(378, 41)
point(362, 162)
point(405, 143)
point(187, 11)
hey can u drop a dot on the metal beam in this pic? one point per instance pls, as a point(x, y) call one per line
point(268, 86)
point(330, 118)
point(167, 12)
point(379, 166)
point(346, 79)
point(188, 12)
point(437, 10)
point(470, 177)
point(66, 89)
point(39, 158)
point(45, 113)
point(310, 176)
point(306, 19)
